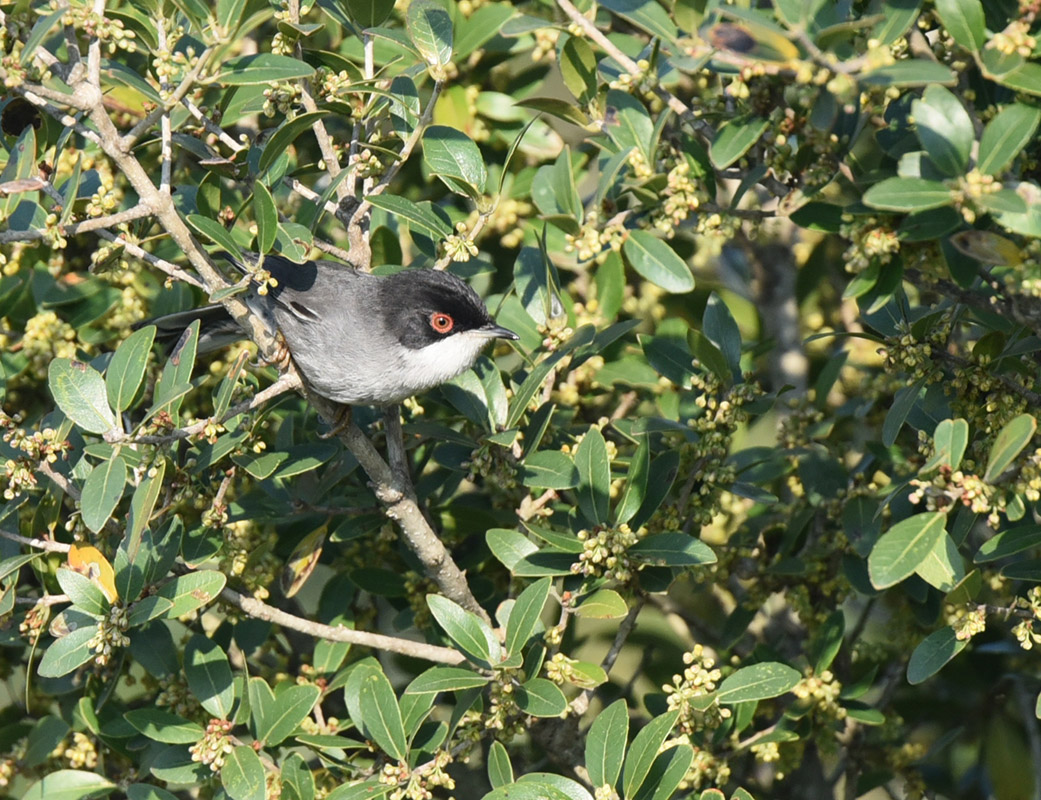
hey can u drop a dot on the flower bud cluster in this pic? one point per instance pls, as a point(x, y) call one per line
point(111, 634)
point(215, 745)
point(700, 678)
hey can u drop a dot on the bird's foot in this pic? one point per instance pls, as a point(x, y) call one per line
point(340, 423)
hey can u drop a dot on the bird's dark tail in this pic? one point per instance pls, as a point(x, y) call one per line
point(216, 328)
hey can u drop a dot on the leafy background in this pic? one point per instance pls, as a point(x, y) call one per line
point(749, 510)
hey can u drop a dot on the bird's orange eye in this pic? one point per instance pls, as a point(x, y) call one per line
point(441, 323)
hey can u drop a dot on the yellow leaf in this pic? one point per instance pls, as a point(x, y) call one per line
point(302, 562)
point(988, 247)
point(89, 562)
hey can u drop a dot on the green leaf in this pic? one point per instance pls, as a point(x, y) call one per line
point(602, 604)
point(450, 152)
point(525, 615)
point(176, 378)
point(500, 771)
point(594, 473)
point(629, 124)
point(217, 234)
point(468, 631)
point(102, 492)
point(363, 790)
point(208, 674)
point(909, 72)
point(900, 551)
point(262, 68)
point(644, 750)
point(380, 716)
point(721, 329)
point(144, 791)
point(11, 565)
point(1005, 136)
point(285, 136)
point(84, 593)
point(932, 654)
point(38, 34)
point(1008, 444)
point(415, 216)
point(549, 469)
point(605, 744)
point(578, 68)
point(509, 546)
point(164, 726)
point(192, 591)
point(430, 28)
point(69, 784)
point(278, 714)
point(1008, 543)
point(735, 138)
point(949, 442)
point(635, 483)
point(964, 21)
point(540, 698)
point(656, 261)
point(229, 14)
point(944, 129)
point(79, 391)
point(445, 679)
point(907, 194)
point(126, 370)
point(943, 568)
point(667, 772)
point(242, 775)
point(827, 641)
point(67, 653)
point(266, 216)
point(673, 550)
point(757, 682)
point(369, 13)
point(902, 404)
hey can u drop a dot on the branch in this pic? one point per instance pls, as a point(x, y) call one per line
point(129, 215)
point(36, 544)
point(285, 383)
point(626, 63)
point(170, 269)
point(65, 119)
point(163, 110)
point(580, 704)
point(213, 127)
point(392, 644)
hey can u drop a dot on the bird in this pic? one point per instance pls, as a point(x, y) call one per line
point(357, 338)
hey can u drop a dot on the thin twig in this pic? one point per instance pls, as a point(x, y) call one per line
point(392, 644)
point(580, 704)
point(169, 101)
point(129, 215)
point(170, 269)
point(212, 127)
point(286, 382)
point(36, 544)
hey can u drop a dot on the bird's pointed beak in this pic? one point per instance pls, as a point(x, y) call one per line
point(493, 331)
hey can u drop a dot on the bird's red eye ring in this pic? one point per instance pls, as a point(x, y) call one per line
point(441, 323)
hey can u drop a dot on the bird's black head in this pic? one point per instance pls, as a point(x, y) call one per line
point(426, 306)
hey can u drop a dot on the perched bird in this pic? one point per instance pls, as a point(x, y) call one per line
point(358, 338)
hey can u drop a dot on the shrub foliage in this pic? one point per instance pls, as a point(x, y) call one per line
point(749, 510)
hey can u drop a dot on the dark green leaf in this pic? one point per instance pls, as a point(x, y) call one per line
point(944, 129)
point(164, 726)
point(932, 653)
point(578, 68)
point(126, 370)
point(67, 653)
point(500, 771)
point(657, 262)
point(242, 775)
point(262, 68)
point(1006, 135)
point(1008, 543)
point(908, 194)
point(470, 634)
point(430, 28)
point(605, 744)
point(208, 674)
point(450, 152)
point(102, 491)
point(192, 591)
point(79, 391)
point(757, 682)
point(540, 698)
point(1008, 444)
point(594, 471)
point(735, 138)
point(525, 615)
point(550, 469)
point(673, 550)
point(445, 679)
point(69, 784)
point(266, 216)
point(904, 547)
point(644, 750)
point(369, 13)
point(84, 593)
point(964, 21)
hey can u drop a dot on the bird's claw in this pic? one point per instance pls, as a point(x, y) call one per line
point(340, 423)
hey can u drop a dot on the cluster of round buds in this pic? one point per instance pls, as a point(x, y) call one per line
point(823, 690)
point(968, 622)
point(947, 488)
point(700, 677)
point(214, 746)
point(459, 246)
point(111, 635)
point(871, 242)
point(605, 553)
point(1015, 39)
